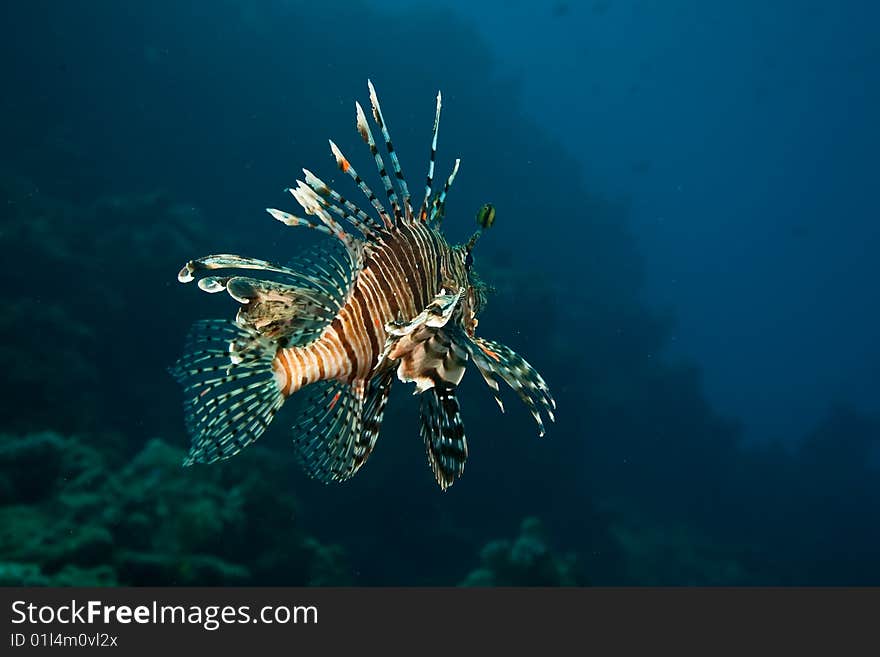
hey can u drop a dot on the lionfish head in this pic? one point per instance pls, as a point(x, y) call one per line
point(477, 289)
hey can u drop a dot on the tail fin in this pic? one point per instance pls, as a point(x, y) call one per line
point(230, 388)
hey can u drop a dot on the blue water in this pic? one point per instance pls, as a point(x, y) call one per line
point(743, 136)
point(686, 247)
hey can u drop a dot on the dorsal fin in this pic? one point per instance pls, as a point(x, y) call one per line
point(439, 205)
point(367, 135)
point(345, 166)
point(395, 163)
point(429, 181)
point(352, 213)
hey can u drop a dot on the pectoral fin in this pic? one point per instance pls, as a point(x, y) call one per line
point(422, 349)
point(292, 310)
point(493, 359)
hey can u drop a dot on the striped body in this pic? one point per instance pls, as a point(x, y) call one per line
point(401, 275)
point(341, 321)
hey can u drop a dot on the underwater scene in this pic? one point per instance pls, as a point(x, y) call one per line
point(626, 334)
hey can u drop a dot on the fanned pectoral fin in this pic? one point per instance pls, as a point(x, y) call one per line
point(293, 310)
point(292, 314)
point(493, 359)
point(328, 433)
point(443, 433)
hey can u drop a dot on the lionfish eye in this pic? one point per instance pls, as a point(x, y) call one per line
point(469, 260)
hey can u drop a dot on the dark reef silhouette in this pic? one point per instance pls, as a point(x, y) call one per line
point(71, 516)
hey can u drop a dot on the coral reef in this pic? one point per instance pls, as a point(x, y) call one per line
point(528, 560)
point(71, 516)
point(82, 279)
point(678, 556)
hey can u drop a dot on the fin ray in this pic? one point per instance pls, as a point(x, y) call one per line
point(351, 212)
point(429, 179)
point(295, 310)
point(443, 433)
point(230, 390)
point(367, 135)
point(328, 429)
point(495, 359)
point(438, 208)
point(375, 402)
point(345, 166)
point(392, 154)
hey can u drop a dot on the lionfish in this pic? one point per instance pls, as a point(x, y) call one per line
point(340, 321)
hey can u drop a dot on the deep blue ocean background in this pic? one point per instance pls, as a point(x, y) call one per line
point(686, 248)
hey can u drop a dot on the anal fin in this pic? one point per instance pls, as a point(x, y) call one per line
point(376, 399)
point(329, 429)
